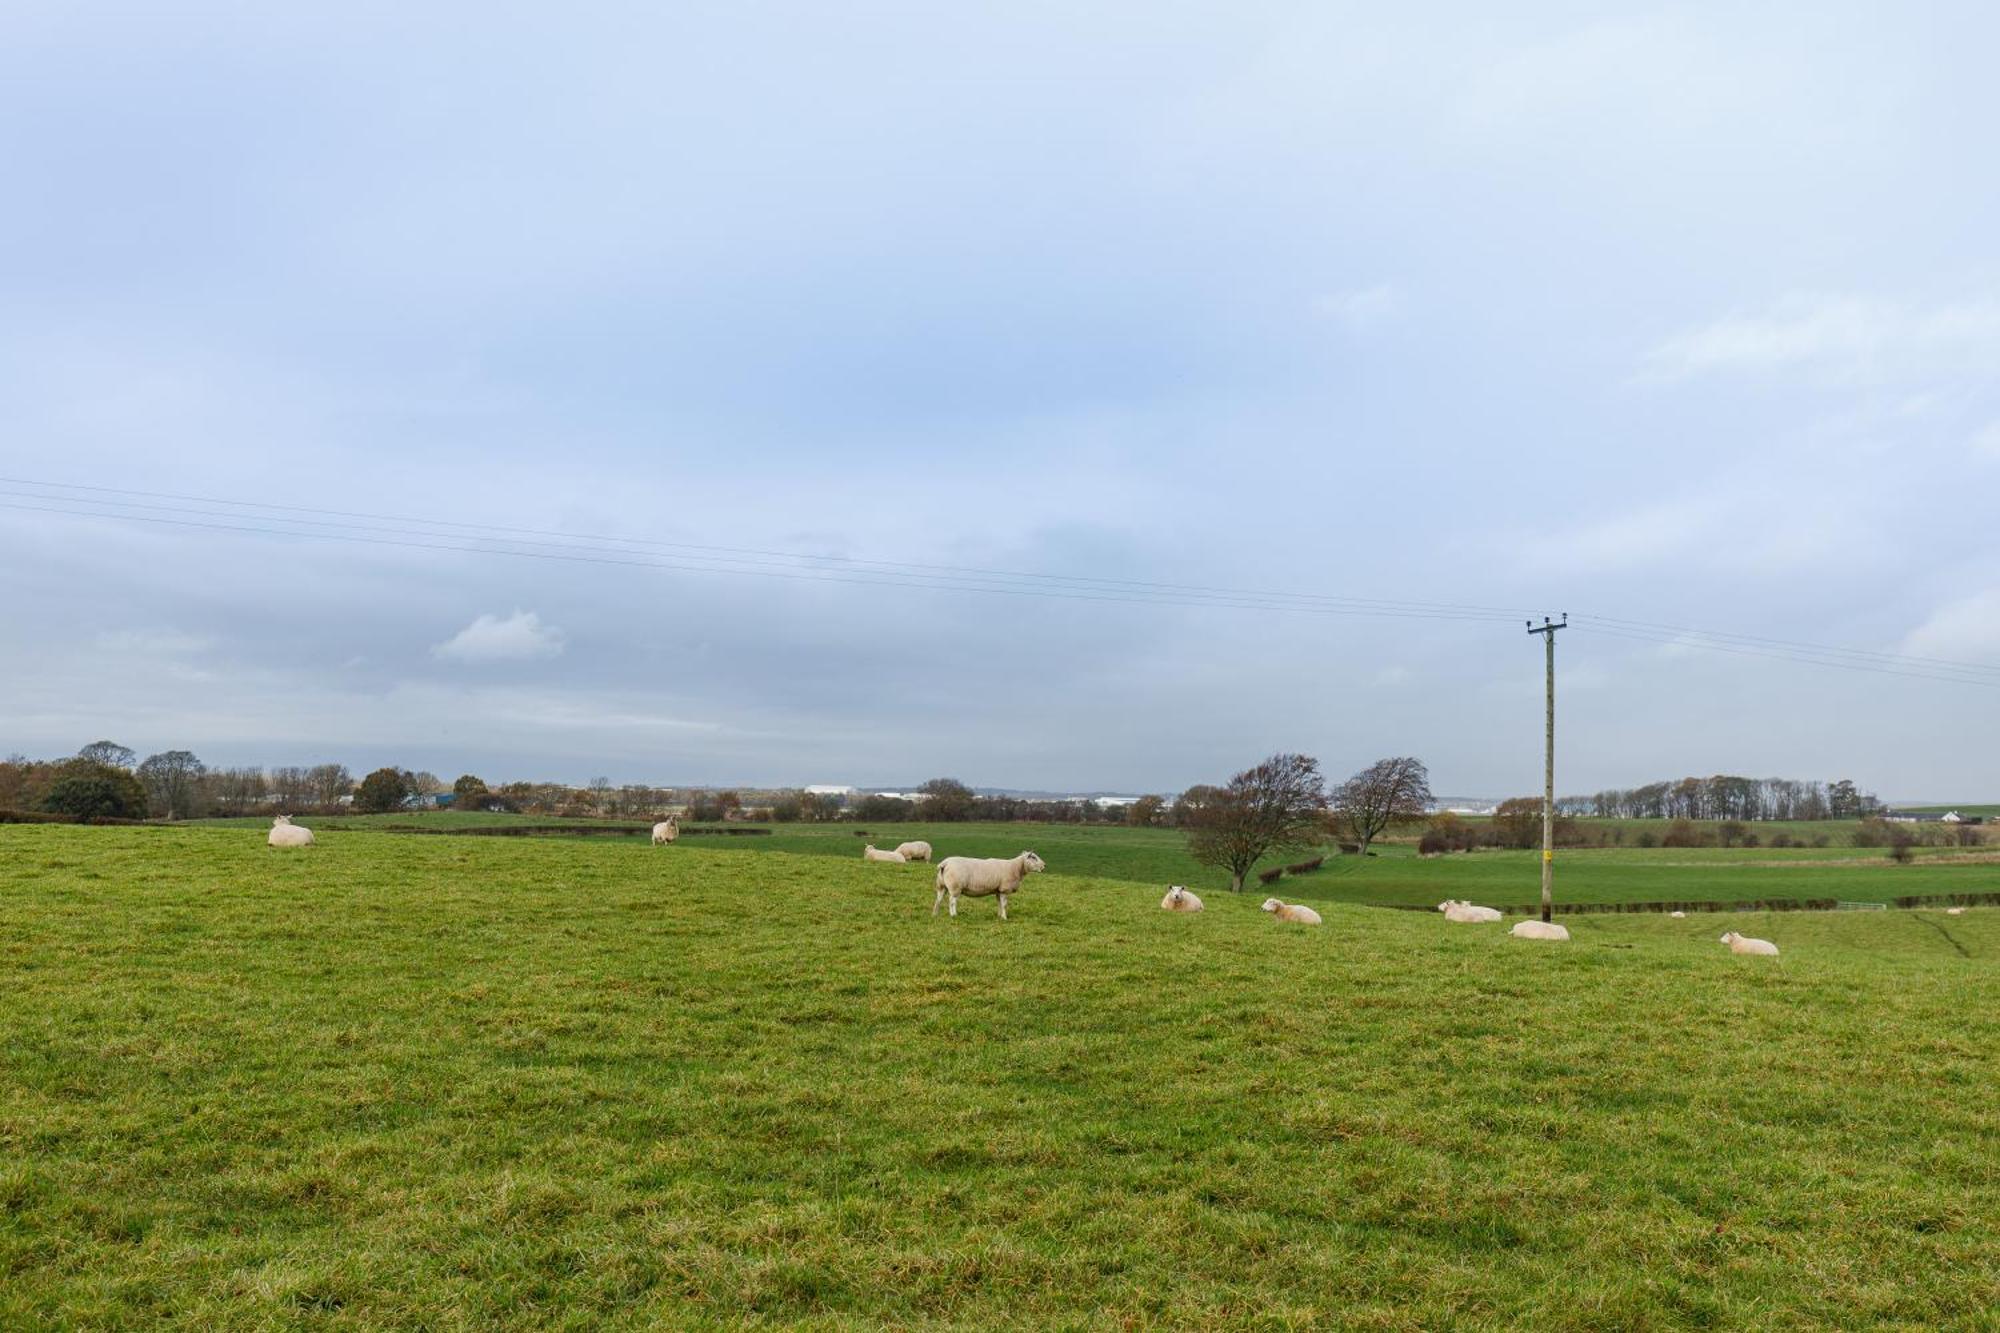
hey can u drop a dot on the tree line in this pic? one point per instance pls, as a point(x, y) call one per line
point(1725, 796)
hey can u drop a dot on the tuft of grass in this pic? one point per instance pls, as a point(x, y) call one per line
point(403, 1082)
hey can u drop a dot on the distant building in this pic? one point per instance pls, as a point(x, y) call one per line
point(828, 789)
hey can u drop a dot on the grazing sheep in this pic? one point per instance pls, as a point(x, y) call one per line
point(284, 833)
point(1678, 916)
point(1539, 930)
point(871, 853)
point(976, 877)
point(915, 851)
point(666, 831)
point(1744, 944)
point(1296, 912)
point(1178, 899)
point(1954, 911)
point(1457, 909)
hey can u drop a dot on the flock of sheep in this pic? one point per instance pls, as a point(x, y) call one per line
point(997, 877)
point(964, 876)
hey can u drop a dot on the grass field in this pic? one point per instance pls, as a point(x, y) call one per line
point(397, 1081)
point(1395, 877)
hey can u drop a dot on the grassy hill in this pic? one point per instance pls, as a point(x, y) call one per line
point(469, 1082)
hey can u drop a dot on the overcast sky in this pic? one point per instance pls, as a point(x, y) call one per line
point(1688, 315)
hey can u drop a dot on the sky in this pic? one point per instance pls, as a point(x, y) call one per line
point(1683, 315)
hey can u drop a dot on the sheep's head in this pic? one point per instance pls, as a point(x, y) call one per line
point(281, 819)
point(1030, 861)
point(1447, 904)
point(1178, 893)
point(1730, 937)
point(1272, 904)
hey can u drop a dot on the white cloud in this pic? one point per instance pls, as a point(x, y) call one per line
point(1364, 308)
point(146, 643)
point(1986, 444)
point(521, 637)
point(1967, 630)
point(1843, 337)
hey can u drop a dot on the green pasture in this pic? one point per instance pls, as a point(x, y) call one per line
point(463, 1083)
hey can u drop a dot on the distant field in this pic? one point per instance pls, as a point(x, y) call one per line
point(398, 1081)
point(1397, 876)
point(1988, 811)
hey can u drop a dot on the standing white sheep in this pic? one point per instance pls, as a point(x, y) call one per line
point(1539, 930)
point(1457, 909)
point(974, 877)
point(1178, 899)
point(284, 833)
point(872, 853)
point(915, 851)
point(666, 831)
point(1744, 944)
point(1295, 912)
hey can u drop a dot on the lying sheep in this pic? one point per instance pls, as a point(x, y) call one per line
point(872, 853)
point(284, 833)
point(974, 877)
point(1178, 899)
point(666, 831)
point(915, 851)
point(1457, 909)
point(1954, 911)
point(1539, 930)
point(1678, 916)
point(1295, 912)
point(1744, 944)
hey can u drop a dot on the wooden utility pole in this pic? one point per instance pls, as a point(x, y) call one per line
point(1547, 629)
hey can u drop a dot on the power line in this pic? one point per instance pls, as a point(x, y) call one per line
point(619, 544)
point(258, 518)
point(619, 550)
point(1677, 641)
point(1866, 653)
point(1055, 594)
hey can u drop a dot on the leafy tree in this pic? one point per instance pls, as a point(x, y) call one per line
point(1517, 822)
point(1146, 811)
point(1190, 803)
point(876, 807)
point(383, 790)
point(469, 790)
point(1279, 804)
point(109, 753)
point(172, 779)
point(96, 791)
point(1388, 791)
point(945, 800)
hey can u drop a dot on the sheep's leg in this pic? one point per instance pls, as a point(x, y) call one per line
point(1003, 907)
point(954, 903)
point(938, 901)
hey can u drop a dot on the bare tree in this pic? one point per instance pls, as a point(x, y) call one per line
point(109, 753)
point(1388, 791)
point(1279, 804)
point(330, 782)
point(172, 780)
